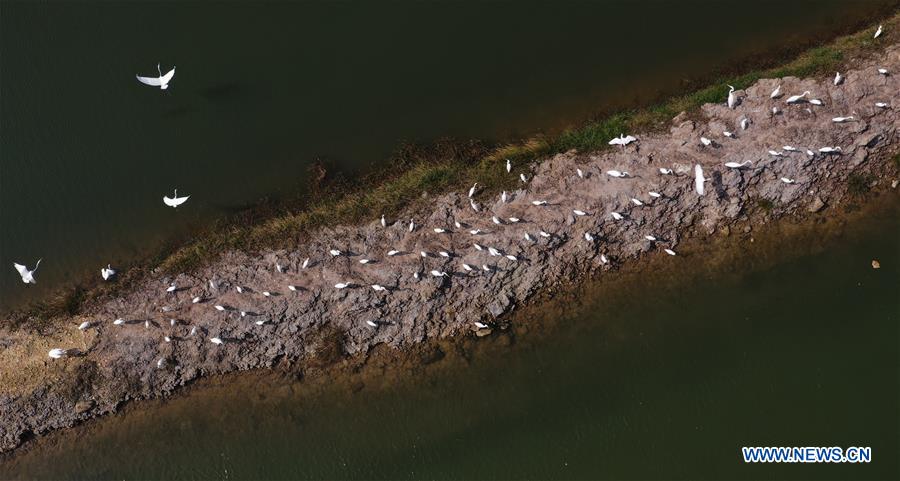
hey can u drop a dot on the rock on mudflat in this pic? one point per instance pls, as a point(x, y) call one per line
point(816, 205)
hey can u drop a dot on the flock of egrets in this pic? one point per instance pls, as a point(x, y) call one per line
point(732, 101)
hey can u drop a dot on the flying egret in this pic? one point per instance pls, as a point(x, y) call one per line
point(732, 99)
point(664, 171)
point(56, 353)
point(878, 32)
point(342, 285)
point(793, 99)
point(669, 251)
point(775, 93)
point(699, 179)
point(787, 180)
point(617, 174)
point(217, 341)
point(508, 166)
point(579, 213)
point(504, 197)
point(616, 215)
point(539, 202)
point(378, 287)
point(472, 190)
point(84, 325)
point(838, 78)
point(305, 264)
point(175, 201)
point(27, 275)
point(736, 165)
point(706, 142)
point(162, 81)
point(107, 272)
point(622, 140)
point(840, 120)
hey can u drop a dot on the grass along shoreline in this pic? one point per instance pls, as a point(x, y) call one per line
point(415, 174)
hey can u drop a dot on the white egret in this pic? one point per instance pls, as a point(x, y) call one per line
point(745, 122)
point(260, 322)
point(266, 293)
point(392, 253)
point(416, 275)
point(838, 78)
point(27, 275)
point(475, 231)
point(636, 202)
point(655, 195)
point(622, 140)
point(118, 322)
point(579, 213)
point(810, 153)
point(706, 142)
point(371, 323)
point(383, 222)
point(830, 150)
point(167, 339)
point(699, 179)
point(732, 99)
point(478, 247)
point(57, 353)
point(879, 31)
point(292, 288)
point(342, 285)
point(496, 220)
point(617, 174)
point(523, 178)
point(727, 134)
point(473, 205)
point(239, 289)
point(736, 165)
point(378, 287)
point(193, 331)
point(443, 253)
point(508, 166)
point(816, 102)
point(436, 273)
point(305, 263)
point(528, 237)
point(787, 180)
point(579, 172)
point(504, 197)
point(175, 201)
point(162, 81)
point(775, 153)
point(219, 307)
point(279, 268)
point(217, 341)
point(883, 71)
point(84, 325)
point(840, 120)
point(650, 238)
point(472, 190)
point(544, 234)
point(493, 252)
point(539, 202)
point(616, 215)
point(481, 325)
point(457, 224)
point(512, 257)
point(172, 322)
point(789, 148)
point(107, 272)
point(882, 105)
point(172, 288)
point(793, 99)
point(196, 299)
point(423, 253)
point(514, 220)
point(665, 171)
point(412, 225)
point(334, 252)
point(485, 268)
point(588, 237)
point(604, 259)
point(161, 363)
point(669, 251)
point(467, 267)
point(775, 93)
point(438, 230)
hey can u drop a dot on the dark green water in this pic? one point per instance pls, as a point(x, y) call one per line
point(790, 344)
point(264, 89)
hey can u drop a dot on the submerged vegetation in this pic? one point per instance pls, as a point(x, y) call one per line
point(415, 173)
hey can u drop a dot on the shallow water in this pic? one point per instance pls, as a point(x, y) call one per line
point(263, 90)
point(791, 343)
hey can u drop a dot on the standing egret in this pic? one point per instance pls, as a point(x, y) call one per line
point(514, 220)
point(175, 201)
point(882, 105)
point(219, 307)
point(879, 31)
point(539, 202)
point(604, 259)
point(508, 166)
point(655, 195)
point(161, 363)
point(816, 102)
point(27, 275)
point(787, 180)
point(669, 251)
point(523, 178)
point(617, 174)
point(830, 150)
point(650, 238)
point(736, 165)
point(745, 122)
point(496, 220)
point(383, 222)
point(57, 353)
point(793, 99)
point(172, 288)
point(423, 254)
point(481, 325)
point(444, 254)
point(217, 341)
point(580, 173)
point(378, 287)
point(732, 99)
point(528, 237)
point(588, 237)
point(473, 205)
point(504, 197)
point(616, 215)
point(475, 231)
point(478, 247)
point(706, 142)
point(119, 322)
point(512, 257)
point(838, 78)
point(468, 268)
point(371, 323)
point(392, 253)
point(472, 190)
point(637, 202)
point(438, 230)
point(775, 153)
point(699, 179)
point(107, 272)
point(84, 325)
point(883, 71)
point(196, 300)
point(162, 81)
point(544, 234)
point(305, 263)
point(342, 285)
point(493, 252)
point(334, 252)
point(727, 134)
point(292, 288)
point(412, 225)
point(579, 213)
point(664, 171)
point(775, 93)
point(436, 273)
point(789, 148)
point(840, 120)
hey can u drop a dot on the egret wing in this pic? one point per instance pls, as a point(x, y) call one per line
point(152, 81)
point(168, 76)
point(22, 269)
